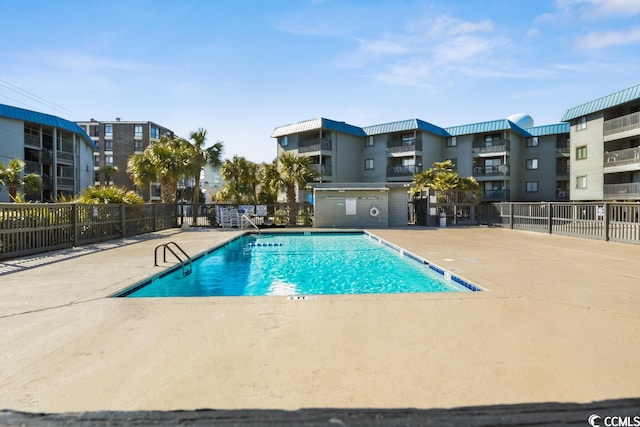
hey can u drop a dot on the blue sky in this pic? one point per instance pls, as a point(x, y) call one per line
point(241, 68)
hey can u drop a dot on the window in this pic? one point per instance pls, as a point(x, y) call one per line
point(532, 142)
point(532, 164)
point(155, 132)
point(532, 186)
point(582, 123)
point(137, 130)
point(368, 142)
point(581, 181)
point(581, 152)
point(137, 145)
point(368, 164)
point(452, 142)
point(96, 160)
point(284, 141)
point(108, 160)
point(95, 130)
point(108, 145)
point(491, 140)
point(108, 130)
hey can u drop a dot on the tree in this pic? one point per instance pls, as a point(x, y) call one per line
point(201, 157)
point(292, 172)
point(166, 161)
point(110, 194)
point(108, 171)
point(442, 177)
point(11, 177)
point(242, 177)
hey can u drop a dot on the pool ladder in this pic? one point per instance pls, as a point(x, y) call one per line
point(183, 262)
point(245, 219)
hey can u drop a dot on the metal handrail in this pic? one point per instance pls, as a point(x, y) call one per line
point(249, 221)
point(164, 256)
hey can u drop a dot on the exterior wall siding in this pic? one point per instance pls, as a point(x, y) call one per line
point(398, 214)
point(330, 209)
point(592, 166)
point(11, 146)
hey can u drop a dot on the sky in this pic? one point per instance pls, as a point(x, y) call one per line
point(239, 69)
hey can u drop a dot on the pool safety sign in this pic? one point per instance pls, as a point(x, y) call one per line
point(350, 206)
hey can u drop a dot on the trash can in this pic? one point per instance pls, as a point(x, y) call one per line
point(443, 219)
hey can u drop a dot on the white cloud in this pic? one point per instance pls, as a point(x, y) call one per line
point(603, 39)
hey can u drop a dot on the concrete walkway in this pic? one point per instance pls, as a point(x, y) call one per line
point(560, 322)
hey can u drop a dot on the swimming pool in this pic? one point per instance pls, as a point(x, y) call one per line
point(308, 263)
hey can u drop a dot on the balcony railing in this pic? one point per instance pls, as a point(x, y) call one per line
point(496, 170)
point(65, 182)
point(622, 157)
point(563, 149)
point(496, 147)
point(404, 146)
point(31, 141)
point(622, 124)
point(65, 157)
point(314, 145)
point(628, 191)
point(496, 195)
point(324, 170)
point(399, 170)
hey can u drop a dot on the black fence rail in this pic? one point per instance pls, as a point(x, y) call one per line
point(27, 229)
point(618, 222)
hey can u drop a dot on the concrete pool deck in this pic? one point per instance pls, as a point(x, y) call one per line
point(559, 323)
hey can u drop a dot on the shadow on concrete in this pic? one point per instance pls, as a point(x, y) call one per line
point(627, 412)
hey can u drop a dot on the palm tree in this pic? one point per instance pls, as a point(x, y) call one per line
point(201, 157)
point(292, 172)
point(11, 177)
point(167, 161)
point(108, 171)
point(242, 180)
point(442, 177)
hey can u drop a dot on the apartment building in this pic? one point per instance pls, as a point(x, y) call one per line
point(510, 158)
point(593, 154)
point(605, 147)
point(56, 149)
point(116, 141)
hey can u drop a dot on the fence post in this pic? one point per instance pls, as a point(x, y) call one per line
point(154, 216)
point(550, 217)
point(74, 219)
point(605, 220)
point(123, 222)
point(511, 215)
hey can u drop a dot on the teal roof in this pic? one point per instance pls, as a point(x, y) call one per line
point(404, 125)
point(603, 103)
point(554, 129)
point(44, 119)
point(484, 127)
point(317, 124)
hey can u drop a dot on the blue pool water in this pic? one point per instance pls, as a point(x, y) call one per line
point(302, 264)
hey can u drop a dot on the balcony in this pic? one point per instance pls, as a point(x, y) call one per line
point(324, 170)
point(31, 141)
point(495, 195)
point(563, 150)
point(311, 145)
point(496, 147)
point(494, 170)
point(65, 182)
point(622, 124)
point(405, 146)
point(629, 156)
point(627, 191)
point(64, 157)
point(403, 171)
